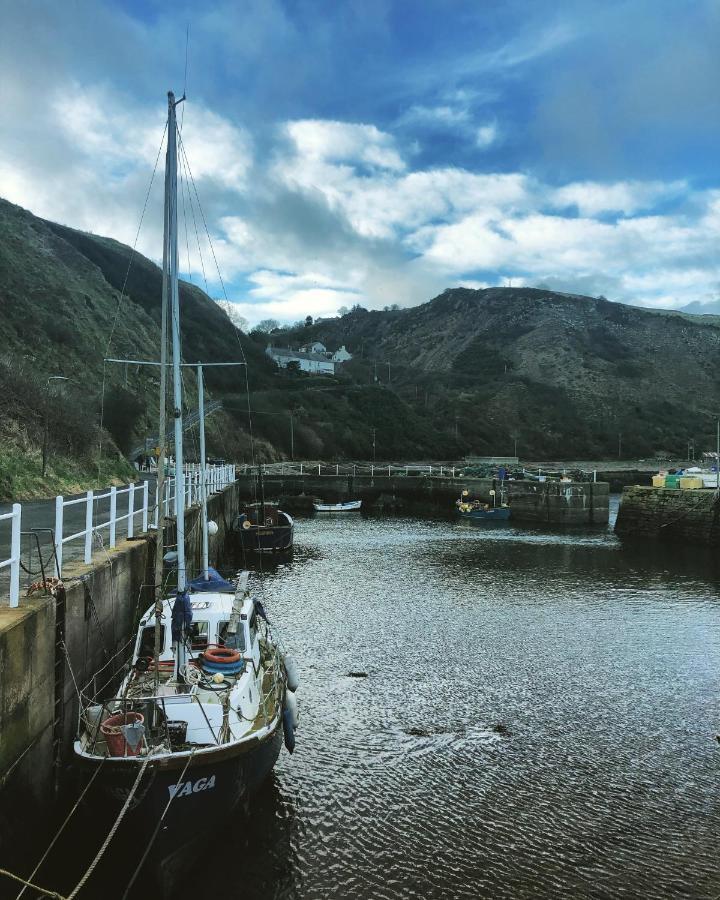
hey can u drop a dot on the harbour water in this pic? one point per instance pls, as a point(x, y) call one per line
point(537, 719)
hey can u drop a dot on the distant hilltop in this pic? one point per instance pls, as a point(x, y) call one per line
point(495, 372)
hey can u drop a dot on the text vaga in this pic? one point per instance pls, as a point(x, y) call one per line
point(185, 788)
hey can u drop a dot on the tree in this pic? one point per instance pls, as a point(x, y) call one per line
point(234, 314)
point(293, 367)
point(308, 321)
point(343, 311)
point(267, 325)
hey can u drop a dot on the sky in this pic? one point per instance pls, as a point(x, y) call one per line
point(380, 151)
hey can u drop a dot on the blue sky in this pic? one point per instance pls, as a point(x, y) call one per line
point(379, 152)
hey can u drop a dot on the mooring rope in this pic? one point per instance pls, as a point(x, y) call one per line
point(111, 834)
point(62, 828)
point(157, 827)
point(35, 887)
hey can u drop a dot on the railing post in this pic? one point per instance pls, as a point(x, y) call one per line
point(319, 468)
point(131, 510)
point(388, 471)
point(146, 496)
point(113, 515)
point(453, 471)
point(337, 469)
point(301, 471)
point(15, 554)
point(58, 536)
point(88, 527)
point(372, 470)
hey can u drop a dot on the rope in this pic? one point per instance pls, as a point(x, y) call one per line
point(157, 827)
point(111, 834)
point(35, 887)
point(62, 828)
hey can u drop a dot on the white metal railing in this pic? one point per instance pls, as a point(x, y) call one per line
point(100, 518)
point(216, 478)
point(372, 469)
point(15, 519)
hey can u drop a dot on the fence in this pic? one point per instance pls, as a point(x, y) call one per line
point(332, 471)
point(141, 512)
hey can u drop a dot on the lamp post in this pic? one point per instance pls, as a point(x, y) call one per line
point(45, 419)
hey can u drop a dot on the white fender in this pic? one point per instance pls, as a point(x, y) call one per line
point(293, 677)
point(291, 704)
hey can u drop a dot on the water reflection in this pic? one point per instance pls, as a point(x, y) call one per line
point(537, 719)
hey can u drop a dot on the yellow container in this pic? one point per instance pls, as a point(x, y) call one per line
point(658, 481)
point(690, 482)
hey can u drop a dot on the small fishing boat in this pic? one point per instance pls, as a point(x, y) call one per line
point(263, 528)
point(349, 506)
point(479, 511)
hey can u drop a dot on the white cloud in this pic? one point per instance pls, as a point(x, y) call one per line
point(486, 135)
point(627, 197)
point(320, 140)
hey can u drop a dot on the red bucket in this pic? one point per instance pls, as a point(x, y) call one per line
point(111, 730)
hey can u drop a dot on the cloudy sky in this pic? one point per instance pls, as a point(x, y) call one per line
point(379, 151)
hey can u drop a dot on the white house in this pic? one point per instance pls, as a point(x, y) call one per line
point(315, 363)
point(315, 347)
point(341, 355)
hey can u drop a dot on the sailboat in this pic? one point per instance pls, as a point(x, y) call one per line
point(199, 720)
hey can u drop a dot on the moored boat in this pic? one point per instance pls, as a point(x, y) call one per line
point(479, 511)
point(263, 528)
point(349, 506)
point(207, 697)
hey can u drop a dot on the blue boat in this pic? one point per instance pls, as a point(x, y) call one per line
point(478, 511)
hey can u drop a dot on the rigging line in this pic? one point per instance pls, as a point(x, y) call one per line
point(182, 195)
point(62, 828)
point(207, 231)
point(197, 232)
point(111, 834)
point(153, 836)
point(35, 887)
point(137, 237)
point(187, 43)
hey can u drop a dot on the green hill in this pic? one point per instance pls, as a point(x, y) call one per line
point(469, 371)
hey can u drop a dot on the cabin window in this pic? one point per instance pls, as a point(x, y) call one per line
point(147, 641)
point(199, 635)
point(236, 641)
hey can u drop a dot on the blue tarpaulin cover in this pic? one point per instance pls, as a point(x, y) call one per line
point(214, 582)
point(182, 616)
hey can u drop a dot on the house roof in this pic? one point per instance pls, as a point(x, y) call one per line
point(283, 353)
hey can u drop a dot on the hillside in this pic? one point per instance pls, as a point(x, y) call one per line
point(63, 313)
point(560, 374)
point(467, 372)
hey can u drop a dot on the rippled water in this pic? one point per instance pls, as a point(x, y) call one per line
point(538, 719)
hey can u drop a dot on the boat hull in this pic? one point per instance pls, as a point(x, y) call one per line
point(499, 514)
point(265, 539)
point(210, 790)
point(352, 506)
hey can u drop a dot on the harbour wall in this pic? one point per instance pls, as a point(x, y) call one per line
point(564, 503)
point(52, 647)
point(672, 515)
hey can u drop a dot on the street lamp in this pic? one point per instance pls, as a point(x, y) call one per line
point(45, 419)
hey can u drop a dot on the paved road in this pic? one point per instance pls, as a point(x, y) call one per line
point(40, 514)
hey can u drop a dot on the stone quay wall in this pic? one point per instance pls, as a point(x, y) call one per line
point(673, 515)
point(564, 503)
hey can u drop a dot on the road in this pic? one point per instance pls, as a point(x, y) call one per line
point(40, 514)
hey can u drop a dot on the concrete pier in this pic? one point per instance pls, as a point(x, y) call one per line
point(51, 647)
point(564, 503)
point(673, 515)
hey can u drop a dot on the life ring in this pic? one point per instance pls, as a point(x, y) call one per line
point(226, 655)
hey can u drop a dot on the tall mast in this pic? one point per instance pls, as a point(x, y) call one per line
point(160, 487)
point(175, 321)
point(203, 483)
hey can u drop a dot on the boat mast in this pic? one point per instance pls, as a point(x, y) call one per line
point(175, 322)
point(203, 483)
point(160, 485)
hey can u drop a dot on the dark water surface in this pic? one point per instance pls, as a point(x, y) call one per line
point(538, 719)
